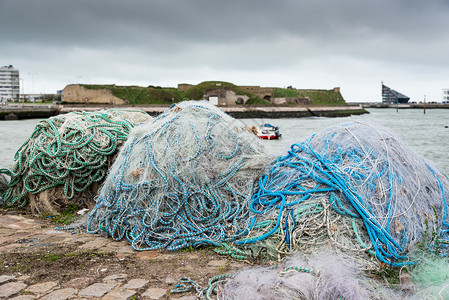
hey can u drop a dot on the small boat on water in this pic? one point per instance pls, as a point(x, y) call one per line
point(268, 132)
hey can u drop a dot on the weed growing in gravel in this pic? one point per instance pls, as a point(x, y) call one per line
point(67, 216)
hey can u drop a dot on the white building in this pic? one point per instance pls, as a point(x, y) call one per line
point(9, 83)
point(445, 95)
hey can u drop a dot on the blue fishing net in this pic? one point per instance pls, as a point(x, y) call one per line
point(355, 186)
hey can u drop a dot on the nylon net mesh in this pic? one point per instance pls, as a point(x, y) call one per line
point(322, 275)
point(330, 274)
point(65, 158)
point(354, 186)
point(184, 179)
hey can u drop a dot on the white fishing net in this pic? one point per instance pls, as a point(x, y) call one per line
point(184, 179)
point(330, 274)
point(322, 275)
point(355, 186)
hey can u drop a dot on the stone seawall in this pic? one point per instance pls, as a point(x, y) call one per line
point(40, 111)
point(293, 112)
point(18, 112)
point(246, 111)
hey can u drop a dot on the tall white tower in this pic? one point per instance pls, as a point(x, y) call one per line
point(9, 83)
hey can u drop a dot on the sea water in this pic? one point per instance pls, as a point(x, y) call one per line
point(12, 135)
point(427, 134)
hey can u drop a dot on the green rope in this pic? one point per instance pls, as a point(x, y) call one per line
point(186, 285)
point(298, 214)
point(359, 239)
point(214, 282)
point(233, 251)
point(67, 150)
point(299, 269)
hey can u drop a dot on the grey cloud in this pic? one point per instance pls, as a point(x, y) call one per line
point(112, 21)
point(125, 41)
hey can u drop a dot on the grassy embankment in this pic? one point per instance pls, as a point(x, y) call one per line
point(317, 97)
point(166, 95)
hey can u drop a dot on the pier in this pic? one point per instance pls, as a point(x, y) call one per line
point(30, 111)
point(244, 111)
point(25, 111)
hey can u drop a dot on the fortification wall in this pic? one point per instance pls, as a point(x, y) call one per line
point(335, 89)
point(184, 86)
point(287, 100)
point(225, 95)
point(74, 93)
point(261, 92)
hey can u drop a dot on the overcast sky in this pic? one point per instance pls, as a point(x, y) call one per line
point(318, 44)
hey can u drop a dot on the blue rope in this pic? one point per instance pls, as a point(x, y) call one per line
point(167, 209)
point(286, 177)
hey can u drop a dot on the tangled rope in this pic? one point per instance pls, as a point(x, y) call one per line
point(215, 285)
point(186, 285)
point(69, 151)
point(183, 180)
point(3, 182)
point(355, 185)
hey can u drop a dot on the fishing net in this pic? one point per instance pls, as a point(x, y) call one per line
point(333, 274)
point(3, 185)
point(184, 179)
point(322, 275)
point(356, 187)
point(3, 182)
point(65, 159)
point(430, 277)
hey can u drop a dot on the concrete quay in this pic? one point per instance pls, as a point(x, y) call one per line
point(39, 262)
point(25, 111)
point(30, 111)
point(240, 112)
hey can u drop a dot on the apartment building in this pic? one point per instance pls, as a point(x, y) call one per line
point(391, 96)
point(445, 95)
point(9, 83)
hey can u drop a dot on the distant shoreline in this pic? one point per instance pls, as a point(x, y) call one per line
point(240, 112)
point(25, 111)
point(37, 111)
point(403, 106)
